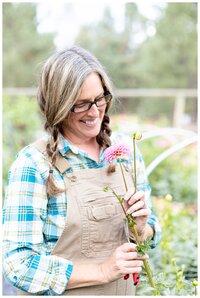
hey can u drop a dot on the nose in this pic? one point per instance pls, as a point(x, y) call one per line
point(93, 110)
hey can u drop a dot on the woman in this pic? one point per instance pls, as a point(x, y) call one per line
point(62, 234)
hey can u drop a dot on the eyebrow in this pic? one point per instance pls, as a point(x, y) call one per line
point(88, 100)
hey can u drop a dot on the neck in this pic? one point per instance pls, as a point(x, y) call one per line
point(80, 142)
point(90, 146)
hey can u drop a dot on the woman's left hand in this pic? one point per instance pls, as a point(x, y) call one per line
point(135, 204)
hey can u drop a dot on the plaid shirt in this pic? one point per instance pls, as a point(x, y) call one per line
point(33, 223)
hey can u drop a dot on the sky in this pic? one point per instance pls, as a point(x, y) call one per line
point(65, 18)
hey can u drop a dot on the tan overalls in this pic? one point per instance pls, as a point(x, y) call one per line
point(94, 223)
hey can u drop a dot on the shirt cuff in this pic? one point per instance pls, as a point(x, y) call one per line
point(61, 282)
point(157, 233)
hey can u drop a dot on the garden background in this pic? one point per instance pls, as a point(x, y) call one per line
point(150, 52)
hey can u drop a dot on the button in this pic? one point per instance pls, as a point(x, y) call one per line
point(126, 168)
point(73, 178)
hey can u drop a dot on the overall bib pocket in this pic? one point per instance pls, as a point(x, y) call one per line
point(103, 226)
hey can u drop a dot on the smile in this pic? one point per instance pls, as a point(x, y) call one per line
point(90, 122)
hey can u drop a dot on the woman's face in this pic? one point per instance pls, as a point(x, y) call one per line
point(85, 126)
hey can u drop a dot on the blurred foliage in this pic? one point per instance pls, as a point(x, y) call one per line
point(114, 49)
point(23, 47)
point(154, 109)
point(150, 108)
point(167, 59)
point(170, 57)
point(169, 175)
point(21, 122)
point(174, 262)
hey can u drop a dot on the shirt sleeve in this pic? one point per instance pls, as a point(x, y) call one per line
point(27, 262)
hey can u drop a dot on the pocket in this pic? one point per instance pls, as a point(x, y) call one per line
point(103, 228)
point(104, 225)
point(98, 213)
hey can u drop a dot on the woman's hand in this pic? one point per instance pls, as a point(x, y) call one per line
point(124, 260)
point(135, 204)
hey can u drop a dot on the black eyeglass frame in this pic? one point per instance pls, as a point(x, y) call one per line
point(91, 103)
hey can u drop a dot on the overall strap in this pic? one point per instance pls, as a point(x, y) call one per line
point(62, 165)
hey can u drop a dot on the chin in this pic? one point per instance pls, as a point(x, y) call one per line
point(93, 134)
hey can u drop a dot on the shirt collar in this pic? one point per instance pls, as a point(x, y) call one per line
point(64, 146)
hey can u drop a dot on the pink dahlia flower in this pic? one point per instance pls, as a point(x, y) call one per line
point(116, 151)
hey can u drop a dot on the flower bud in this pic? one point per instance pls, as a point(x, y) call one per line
point(168, 198)
point(195, 283)
point(137, 135)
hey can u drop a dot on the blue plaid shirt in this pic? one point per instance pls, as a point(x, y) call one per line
point(33, 223)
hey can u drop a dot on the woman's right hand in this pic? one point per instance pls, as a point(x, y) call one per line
point(124, 260)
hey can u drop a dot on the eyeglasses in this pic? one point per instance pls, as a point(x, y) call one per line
point(85, 106)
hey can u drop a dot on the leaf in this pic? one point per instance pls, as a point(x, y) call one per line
point(106, 189)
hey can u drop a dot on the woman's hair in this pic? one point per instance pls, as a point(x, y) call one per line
point(60, 84)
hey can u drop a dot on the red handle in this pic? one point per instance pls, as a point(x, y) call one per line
point(136, 278)
point(126, 276)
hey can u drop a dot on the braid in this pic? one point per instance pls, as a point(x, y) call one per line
point(52, 152)
point(103, 138)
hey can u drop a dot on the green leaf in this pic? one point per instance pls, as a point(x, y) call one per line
point(106, 189)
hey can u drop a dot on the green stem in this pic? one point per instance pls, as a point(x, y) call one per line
point(146, 265)
point(149, 274)
point(130, 219)
point(119, 201)
point(135, 233)
point(125, 184)
point(134, 160)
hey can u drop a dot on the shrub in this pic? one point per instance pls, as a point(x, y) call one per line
point(174, 260)
point(176, 175)
point(21, 124)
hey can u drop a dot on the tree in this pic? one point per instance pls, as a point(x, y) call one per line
point(23, 47)
point(169, 58)
point(114, 49)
